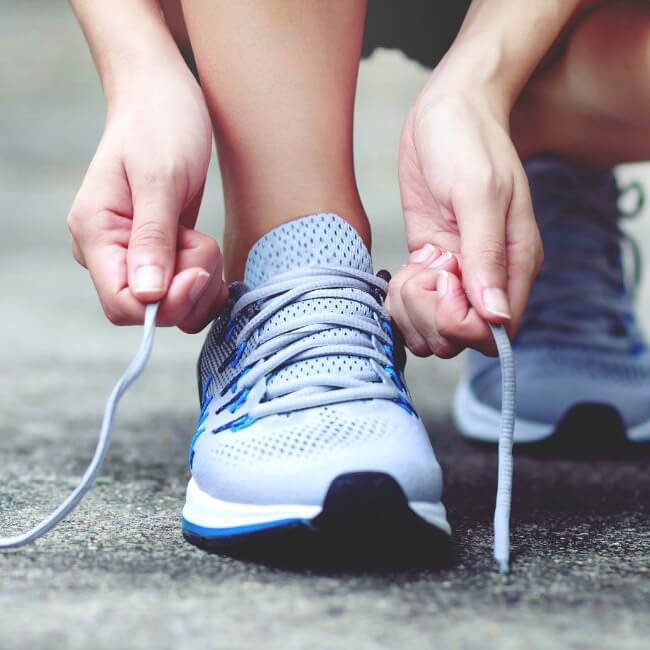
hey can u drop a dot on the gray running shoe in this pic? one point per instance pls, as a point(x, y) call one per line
point(581, 359)
point(306, 425)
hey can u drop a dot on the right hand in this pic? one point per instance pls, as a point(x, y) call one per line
point(132, 221)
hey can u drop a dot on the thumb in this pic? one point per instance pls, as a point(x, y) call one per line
point(482, 226)
point(151, 256)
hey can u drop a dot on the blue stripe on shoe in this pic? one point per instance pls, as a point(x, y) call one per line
point(234, 531)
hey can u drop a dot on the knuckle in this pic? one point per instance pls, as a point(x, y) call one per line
point(87, 222)
point(164, 171)
point(150, 234)
point(168, 174)
point(445, 349)
point(408, 292)
point(79, 212)
point(491, 182)
point(72, 221)
point(103, 220)
point(214, 251)
point(493, 254)
point(418, 348)
point(445, 328)
point(76, 253)
point(191, 327)
point(528, 258)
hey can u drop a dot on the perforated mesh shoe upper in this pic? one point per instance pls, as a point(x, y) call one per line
point(301, 377)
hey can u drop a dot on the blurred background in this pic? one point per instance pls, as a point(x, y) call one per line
point(51, 118)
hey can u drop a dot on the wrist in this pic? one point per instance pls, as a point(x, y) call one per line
point(128, 71)
point(130, 43)
point(132, 75)
point(480, 75)
point(452, 86)
point(500, 44)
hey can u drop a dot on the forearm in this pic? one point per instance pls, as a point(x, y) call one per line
point(127, 38)
point(500, 44)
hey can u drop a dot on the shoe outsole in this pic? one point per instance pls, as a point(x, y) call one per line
point(365, 521)
point(583, 421)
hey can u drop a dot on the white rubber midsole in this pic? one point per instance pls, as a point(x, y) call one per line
point(207, 511)
point(478, 421)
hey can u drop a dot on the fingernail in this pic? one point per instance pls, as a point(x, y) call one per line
point(496, 302)
point(149, 279)
point(442, 283)
point(198, 285)
point(441, 261)
point(423, 255)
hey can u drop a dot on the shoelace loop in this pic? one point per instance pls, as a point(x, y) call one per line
point(311, 336)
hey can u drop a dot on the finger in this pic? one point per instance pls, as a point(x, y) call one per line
point(200, 254)
point(186, 287)
point(425, 255)
point(457, 322)
point(215, 293)
point(428, 254)
point(190, 213)
point(107, 268)
point(419, 301)
point(525, 252)
point(395, 307)
point(77, 253)
point(481, 215)
point(152, 244)
point(99, 213)
point(213, 299)
point(401, 293)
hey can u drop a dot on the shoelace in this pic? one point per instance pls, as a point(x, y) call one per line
point(130, 375)
point(368, 336)
point(319, 282)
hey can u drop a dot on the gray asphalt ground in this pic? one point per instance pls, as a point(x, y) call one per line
point(117, 573)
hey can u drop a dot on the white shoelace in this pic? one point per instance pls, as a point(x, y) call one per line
point(506, 461)
point(130, 375)
point(504, 486)
point(312, 336)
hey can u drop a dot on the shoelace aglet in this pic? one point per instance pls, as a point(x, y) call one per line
point(503, 564)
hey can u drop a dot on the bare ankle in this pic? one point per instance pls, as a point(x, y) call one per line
point(243, 230)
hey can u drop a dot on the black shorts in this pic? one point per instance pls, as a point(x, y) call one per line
point(422, 29)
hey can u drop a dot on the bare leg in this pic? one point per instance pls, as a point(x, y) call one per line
point(279, 78)
point(592, 104)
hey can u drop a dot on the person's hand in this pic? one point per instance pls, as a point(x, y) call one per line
point(464, 192)
point(133, 218)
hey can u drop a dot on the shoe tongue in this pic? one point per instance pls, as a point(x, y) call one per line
point(317, 240)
